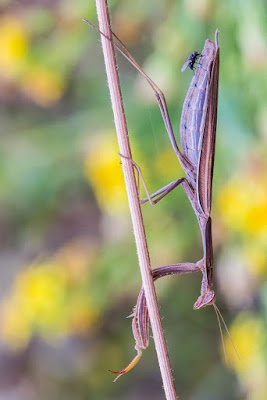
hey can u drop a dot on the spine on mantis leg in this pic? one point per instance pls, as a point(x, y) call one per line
point(140, 322)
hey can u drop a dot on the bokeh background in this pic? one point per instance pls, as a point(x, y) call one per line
point(69, 273)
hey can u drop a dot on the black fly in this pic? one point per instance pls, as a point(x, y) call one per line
point(190, 62)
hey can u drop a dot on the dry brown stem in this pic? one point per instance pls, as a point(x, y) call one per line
point(136, 215)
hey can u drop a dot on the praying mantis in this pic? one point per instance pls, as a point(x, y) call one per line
point(197, 133)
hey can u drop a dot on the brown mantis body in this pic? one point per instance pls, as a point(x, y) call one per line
point(198, 133)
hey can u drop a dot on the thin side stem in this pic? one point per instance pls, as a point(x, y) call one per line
point(132, 192)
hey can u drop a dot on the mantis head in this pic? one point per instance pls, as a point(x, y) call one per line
point(205, 299)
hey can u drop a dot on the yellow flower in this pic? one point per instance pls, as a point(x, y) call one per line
point(40, 293)
point(36, 304)
point(49, 300)
point(248, 334)
point(42, 85)
point(242, 204)
point(103, 170)
point(14, 43)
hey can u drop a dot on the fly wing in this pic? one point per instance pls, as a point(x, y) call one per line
point(206, 159)
point(186, 64)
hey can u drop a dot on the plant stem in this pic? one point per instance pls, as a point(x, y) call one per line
point(135, 209)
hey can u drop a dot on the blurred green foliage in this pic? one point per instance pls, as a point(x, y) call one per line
point(69, 271)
